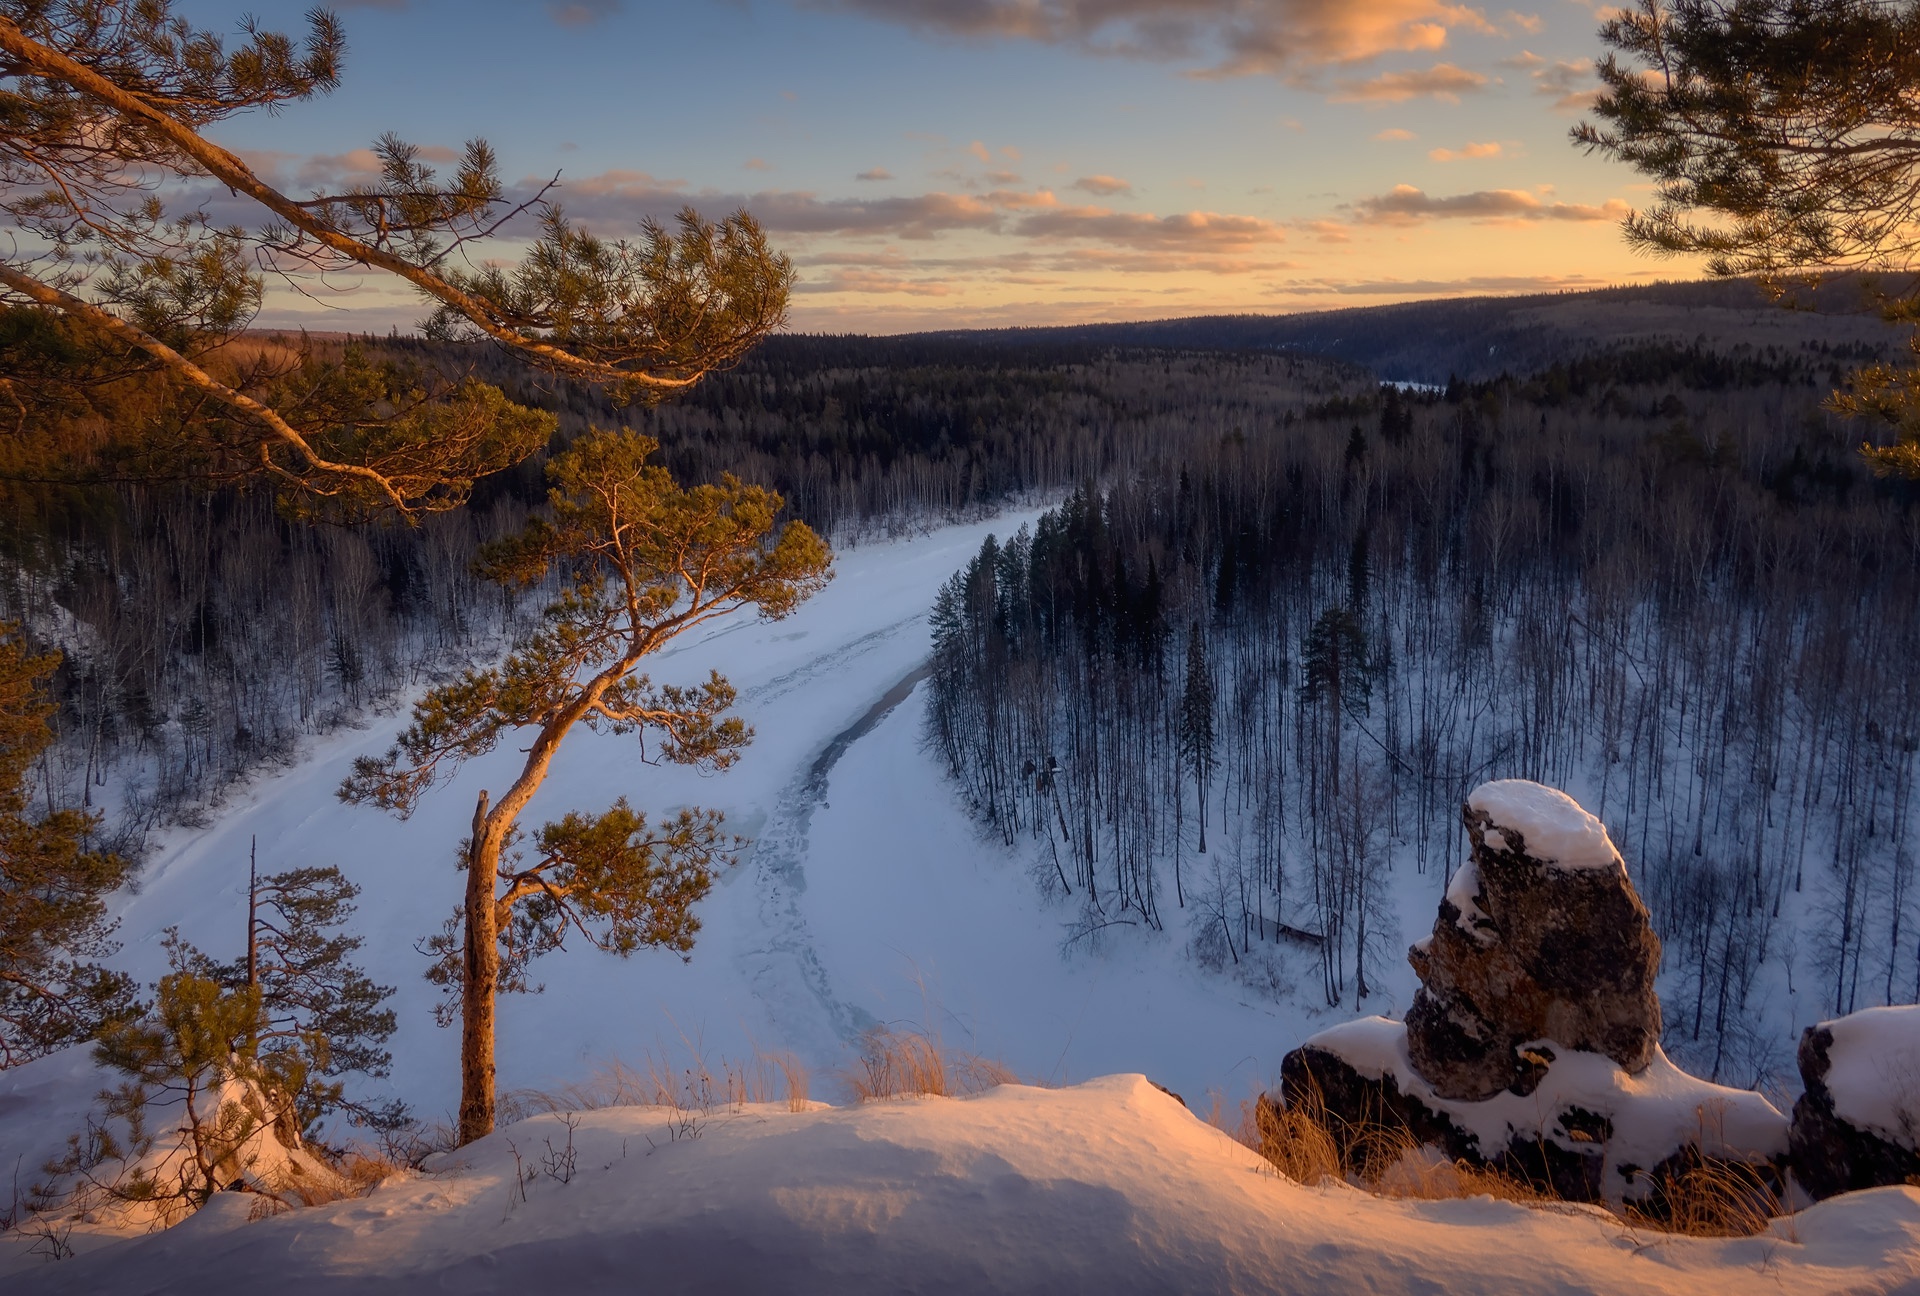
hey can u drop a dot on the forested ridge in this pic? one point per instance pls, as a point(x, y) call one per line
point(204, 634)
point(1656, 577)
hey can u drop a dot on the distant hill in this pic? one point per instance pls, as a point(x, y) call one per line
point(1481, 337)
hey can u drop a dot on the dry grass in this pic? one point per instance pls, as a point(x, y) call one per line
point(657, 1082)
point(1709, 1199)
point(897, 1064)
point(1294, 1139)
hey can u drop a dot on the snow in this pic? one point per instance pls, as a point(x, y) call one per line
point(1107, 1186)
point(1652, 1114)
point(1874, 1072)
point(1551, 824)
point(1463, 893)
point(869, 894)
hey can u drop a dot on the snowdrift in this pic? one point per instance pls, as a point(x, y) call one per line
point(1110, 1186)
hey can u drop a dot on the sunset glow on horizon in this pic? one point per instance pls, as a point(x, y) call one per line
point(933, 164)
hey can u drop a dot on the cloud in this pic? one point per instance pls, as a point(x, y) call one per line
point(1442, 81)
point(1227, 37)
point(873, 281)
point(1395, 134)
point(1406, 205)
point(581, 13)
point(980, 151)
point(875, 173)
point(1028, 265)
point(619, 200)
point(1472, 285)
point(1528, 23)
point(616, 202)
point(1570, 83)
point(756, 164)
point(1103, 185)
point(1003, 177)
point(305, 173)
point(1139, 230)
point(1466, 152)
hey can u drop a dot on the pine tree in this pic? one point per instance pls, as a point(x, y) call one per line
point(298, 961)
point(645, 561)
point(226, 1098)
point(53, 888)
point(105, 179)
point(1196, 732)
point(1335, 660)
point(1783, 137)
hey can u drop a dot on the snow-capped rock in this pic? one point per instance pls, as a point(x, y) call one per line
point(1540, 937)
point(1858, 1123)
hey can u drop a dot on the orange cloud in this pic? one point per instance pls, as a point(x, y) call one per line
point(875, 173)
point(1229, 37)
point(1395, 134)
point(1407, 205)
point(1441, 81)
point(873, 281)
point(1466, 152)
point(1129, 229)
point(1103, 185)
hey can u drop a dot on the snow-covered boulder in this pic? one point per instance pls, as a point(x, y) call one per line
point(1594, 1130)
point(1858, 1123)
point(1540, 937)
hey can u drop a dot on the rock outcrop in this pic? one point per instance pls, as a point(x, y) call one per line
point(1533, 1042)
point(1540, 937)
point(1586, 1129)
point(1858, 1123)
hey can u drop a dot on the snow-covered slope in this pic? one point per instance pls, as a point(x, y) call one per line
point(868, 896)
point(1106, 1187)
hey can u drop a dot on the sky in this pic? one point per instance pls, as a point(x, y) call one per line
point(934, 164)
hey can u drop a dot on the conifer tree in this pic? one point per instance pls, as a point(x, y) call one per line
point(1196, 732)
point(643, 561)
point(104, 106)
point(1783, 137)
point(298, 961)
point(53, 886)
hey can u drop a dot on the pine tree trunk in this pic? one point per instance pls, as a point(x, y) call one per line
point(479, 982)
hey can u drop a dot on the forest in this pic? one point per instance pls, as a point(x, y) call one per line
point(205, 633)
point(1279, 602)
point(1257, 680)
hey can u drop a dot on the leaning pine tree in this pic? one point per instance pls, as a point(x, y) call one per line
point(644, 560)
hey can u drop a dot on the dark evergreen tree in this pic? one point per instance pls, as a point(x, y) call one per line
point(53, 887)
point(1196, 728)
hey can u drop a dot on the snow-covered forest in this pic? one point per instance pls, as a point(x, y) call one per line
point(1649, 578)
point(205, 635)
